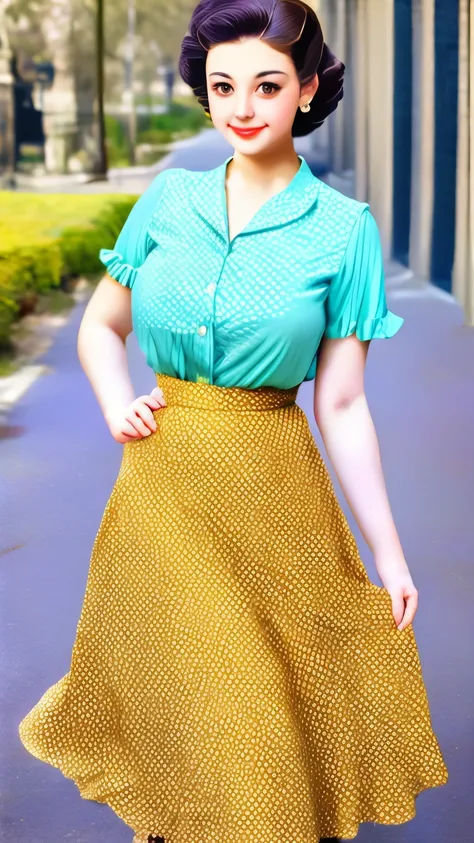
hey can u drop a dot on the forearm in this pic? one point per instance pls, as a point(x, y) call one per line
point(103, 357)
point(351, 443)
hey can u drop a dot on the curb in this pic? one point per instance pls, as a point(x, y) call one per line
point(14, 386)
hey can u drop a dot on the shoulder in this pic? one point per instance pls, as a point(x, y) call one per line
point(333, 202)
point(344, 219)
point(162, 179)
point(174, 183)
point(178, 175)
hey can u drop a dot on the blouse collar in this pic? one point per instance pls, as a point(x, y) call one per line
point(284, 207)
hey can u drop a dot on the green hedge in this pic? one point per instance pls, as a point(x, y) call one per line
point(31, 269)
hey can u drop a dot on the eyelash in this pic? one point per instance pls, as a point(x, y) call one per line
point(272, 85)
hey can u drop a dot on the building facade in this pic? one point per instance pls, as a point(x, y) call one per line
point(406, 129)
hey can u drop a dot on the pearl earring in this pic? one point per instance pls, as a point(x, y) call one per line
point(306, 107)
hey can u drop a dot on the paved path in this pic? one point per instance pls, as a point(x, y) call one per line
point(58, 467)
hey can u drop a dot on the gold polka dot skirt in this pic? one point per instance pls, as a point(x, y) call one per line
point(236, 676)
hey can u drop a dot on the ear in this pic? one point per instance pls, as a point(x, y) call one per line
point(311, 87)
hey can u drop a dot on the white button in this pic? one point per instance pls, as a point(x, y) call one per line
point(202, 330)
point(211, 287)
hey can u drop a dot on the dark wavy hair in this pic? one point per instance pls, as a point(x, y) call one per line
point(287, 25)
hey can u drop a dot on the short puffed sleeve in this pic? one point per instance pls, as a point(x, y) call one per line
point(356, 300)
point(134, 242)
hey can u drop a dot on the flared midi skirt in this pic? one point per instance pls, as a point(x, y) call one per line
point(235, 675)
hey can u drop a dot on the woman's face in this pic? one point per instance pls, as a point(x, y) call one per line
point(252, 85)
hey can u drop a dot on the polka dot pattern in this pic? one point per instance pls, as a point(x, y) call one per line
point(235, 675)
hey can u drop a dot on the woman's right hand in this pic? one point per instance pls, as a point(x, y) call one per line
point(136, 420)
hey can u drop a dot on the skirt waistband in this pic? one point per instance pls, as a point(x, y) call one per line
point(210, 396)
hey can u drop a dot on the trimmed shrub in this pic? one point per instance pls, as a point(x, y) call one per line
point(30, 270)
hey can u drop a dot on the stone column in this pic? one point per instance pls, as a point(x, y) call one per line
point(463, 270)
point(349, 82)
point(373, 102)
point(336, 121)
point(320, 139)
point(336, 136)
point(361, 102)
point(423, 138)
point(59, 102)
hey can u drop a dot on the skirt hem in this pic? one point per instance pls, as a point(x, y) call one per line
point(348, 834)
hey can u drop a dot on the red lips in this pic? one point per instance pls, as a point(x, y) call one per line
point(247, 133)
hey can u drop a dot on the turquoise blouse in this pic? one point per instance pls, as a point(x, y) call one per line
point(250, 311)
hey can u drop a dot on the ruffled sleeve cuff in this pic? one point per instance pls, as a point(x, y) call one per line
point(382, 327)
point(123, 272)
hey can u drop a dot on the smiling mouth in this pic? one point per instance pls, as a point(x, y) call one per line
point(246, 131)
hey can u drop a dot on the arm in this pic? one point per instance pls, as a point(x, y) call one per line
point(356, 312)
point(348, 432)
point(101, 345)
point(347, 429)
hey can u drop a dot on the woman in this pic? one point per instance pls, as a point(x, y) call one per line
point(236, 675)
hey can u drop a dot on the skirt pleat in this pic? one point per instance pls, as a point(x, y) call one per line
point(235, 674)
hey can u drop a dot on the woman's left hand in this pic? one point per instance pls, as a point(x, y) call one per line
point(396, 578)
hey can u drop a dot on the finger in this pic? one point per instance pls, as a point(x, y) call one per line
point(398, 609)
point(147, 417)
point(152, 402)
point(144, 399)
point(134, 418)
point(410, 611)
point(129, 430)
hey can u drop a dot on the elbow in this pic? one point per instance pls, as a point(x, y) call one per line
point(326, 407)
point(94, 335)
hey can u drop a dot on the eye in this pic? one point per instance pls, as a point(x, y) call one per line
point(271, 85)
point(219, 85)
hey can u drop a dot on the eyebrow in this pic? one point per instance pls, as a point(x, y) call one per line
point(257, 76)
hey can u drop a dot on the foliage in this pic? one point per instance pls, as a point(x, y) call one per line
point(178, 118)
point(116, 140)
point(65, 243)
point(181, 120)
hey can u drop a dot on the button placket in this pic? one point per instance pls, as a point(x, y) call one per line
point(202, 329)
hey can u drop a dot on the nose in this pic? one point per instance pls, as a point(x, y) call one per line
point(244, 109)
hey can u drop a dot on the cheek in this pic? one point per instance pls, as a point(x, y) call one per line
point(221, 109)
point(279, 112)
